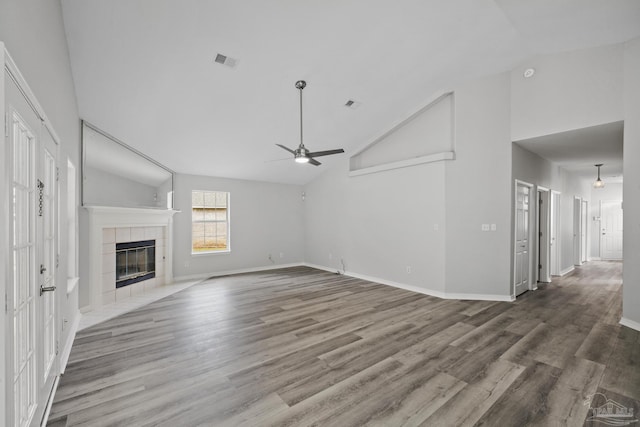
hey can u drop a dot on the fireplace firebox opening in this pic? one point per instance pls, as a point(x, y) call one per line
point(135, 262)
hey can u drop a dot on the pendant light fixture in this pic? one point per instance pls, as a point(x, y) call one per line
point(598, 183)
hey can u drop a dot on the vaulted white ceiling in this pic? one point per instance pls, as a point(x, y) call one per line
point(144, 70)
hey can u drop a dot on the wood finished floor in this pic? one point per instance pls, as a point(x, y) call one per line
point(297, 347)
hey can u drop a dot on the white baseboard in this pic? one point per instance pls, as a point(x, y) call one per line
point(47, 411)
point(66, 351)
point(203, 276)
point(567, 271)
point(630, 323)
point(418, 289)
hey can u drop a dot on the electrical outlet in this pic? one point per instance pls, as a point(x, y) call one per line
point(408, 269)
point(485, 227)
point(493, 227)
point(186, 263)
point(281, 254)
point(330, 255)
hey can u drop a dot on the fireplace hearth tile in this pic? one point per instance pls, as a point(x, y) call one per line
point(108, 280)
point(122, 293)
point(123, 234)
point(108, 235)
point(137, 233)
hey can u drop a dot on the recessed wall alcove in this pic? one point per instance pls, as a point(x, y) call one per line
point(426, 136)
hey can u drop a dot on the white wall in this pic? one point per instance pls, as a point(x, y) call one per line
point(531, 168)
point(631, 196)
point(570, 90)
point(107, 189)
point(33, 33)
point(379, 224)
point(265, 219)
point(478, 190)
point(382, 223)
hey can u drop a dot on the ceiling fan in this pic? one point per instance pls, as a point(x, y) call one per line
point(302, 154)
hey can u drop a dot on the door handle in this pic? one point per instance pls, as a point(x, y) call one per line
point(44, 289)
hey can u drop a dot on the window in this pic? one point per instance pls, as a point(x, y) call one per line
point(209, 221)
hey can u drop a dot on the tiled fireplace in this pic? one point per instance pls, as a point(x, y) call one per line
point(131, 235)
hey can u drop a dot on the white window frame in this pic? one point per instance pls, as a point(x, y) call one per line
point(228, 221)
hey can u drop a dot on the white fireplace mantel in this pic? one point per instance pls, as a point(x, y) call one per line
point(101, 217)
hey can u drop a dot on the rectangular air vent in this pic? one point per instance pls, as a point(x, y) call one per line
point(352, 104)
point(225, 60)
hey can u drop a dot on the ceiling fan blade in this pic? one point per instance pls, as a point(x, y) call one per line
point(325, 153)
point(314, 162)
point(288, 149)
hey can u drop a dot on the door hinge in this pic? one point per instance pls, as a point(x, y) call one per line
point(6, 303)
point(57, 174)
point(57, 346)
point(539, 266)
point(6, 124)
point(57, 260)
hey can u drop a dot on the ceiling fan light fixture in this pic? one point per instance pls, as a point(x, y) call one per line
point(301, 158)
point(598, 183)
point(302, 154)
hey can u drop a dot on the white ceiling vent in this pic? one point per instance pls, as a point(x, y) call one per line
point(352, 104)
point(225, 60)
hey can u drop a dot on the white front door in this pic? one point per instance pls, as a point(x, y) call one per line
point(33, 204)
point(47, 243)
point(611, 230)
point(522, 239)
point(23, 130)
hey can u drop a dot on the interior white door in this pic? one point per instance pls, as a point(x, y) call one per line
point(522, 239)
point(47, 243)
point(33, 238)
point(23, 128)
point(611, 230)
point(544, 275)
point(554, 232)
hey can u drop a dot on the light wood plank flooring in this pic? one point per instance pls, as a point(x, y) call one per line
point(299, 346)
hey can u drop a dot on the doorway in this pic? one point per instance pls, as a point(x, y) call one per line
point(584, 222)
point(554, 234)
point(31, 153)
point(543, 274)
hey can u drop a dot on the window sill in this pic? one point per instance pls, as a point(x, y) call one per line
point(199, 254)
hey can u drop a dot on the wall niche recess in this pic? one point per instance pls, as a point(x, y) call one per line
point(426, 136)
